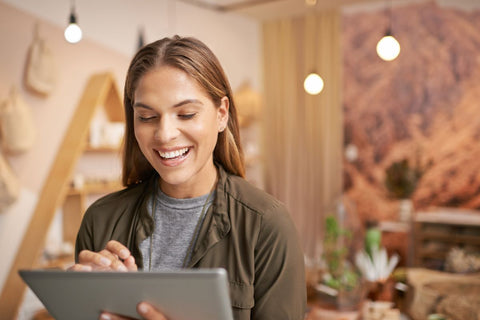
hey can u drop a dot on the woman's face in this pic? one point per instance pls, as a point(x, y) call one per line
point(176, 125)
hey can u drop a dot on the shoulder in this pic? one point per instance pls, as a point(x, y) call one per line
point(116, 202)
point(256, 200)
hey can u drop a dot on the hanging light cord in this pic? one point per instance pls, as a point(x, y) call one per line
point(390, 29)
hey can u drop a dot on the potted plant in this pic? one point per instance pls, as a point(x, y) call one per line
point(340, 286)
point(401, 180)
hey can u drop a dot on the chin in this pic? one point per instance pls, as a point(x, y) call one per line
point(175, 179)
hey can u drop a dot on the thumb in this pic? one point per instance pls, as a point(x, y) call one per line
point(148, 312)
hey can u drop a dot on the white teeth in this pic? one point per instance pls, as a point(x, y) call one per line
point(172, 154)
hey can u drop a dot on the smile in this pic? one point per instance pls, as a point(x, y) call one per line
point(173, 154)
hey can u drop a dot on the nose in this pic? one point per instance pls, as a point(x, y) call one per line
point(166, 130)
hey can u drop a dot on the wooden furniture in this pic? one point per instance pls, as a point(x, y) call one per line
point(75, 205)
point(397, 238)
point(456, 296)
point(100, 91)
point(437, 231)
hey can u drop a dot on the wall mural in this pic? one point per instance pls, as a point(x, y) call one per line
point(423, 107)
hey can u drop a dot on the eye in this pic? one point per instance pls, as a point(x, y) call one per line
point(186, 116)
point(146, 119)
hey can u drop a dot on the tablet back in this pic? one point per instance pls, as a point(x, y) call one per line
point(187, 294)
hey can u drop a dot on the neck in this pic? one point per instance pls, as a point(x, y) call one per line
point(194, 189)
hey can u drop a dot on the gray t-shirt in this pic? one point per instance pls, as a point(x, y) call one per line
point(175, 223)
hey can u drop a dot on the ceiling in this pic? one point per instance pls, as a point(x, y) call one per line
point(269, 9)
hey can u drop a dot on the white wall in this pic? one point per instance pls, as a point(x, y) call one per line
point(110, 38)
point(235, 39)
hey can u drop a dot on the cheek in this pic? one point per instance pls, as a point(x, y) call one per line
point(141, 134)
point(206, 131)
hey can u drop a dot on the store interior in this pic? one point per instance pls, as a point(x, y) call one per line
point(386, 151)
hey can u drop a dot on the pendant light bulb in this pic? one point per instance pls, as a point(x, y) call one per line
point(388, 48)
point(73, 33)
point(313, 84)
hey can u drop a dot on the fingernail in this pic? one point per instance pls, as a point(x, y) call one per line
point(124, 253)
point(85, 268)
point(122, 268)
point(105, 261)
point(142, 308)
point(105, 317)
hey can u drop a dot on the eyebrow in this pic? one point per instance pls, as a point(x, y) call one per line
point(176, 105)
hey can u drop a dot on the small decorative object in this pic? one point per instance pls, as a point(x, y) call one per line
point(378, 267)
point(40, 72)
point(9, 185)
point(373, 237)
point(460, 261)
point(249, 104)
point(379, 310)
point(375, 266)
point(17, 129)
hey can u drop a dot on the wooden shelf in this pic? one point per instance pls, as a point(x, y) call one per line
point(97, 188)
point(89, 148)
point(436, 232)
point(450, 238)
point(100, 92)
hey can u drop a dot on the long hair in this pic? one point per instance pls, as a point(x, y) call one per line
point(198, 61)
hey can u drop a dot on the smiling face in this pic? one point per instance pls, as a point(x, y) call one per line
point(176, 125)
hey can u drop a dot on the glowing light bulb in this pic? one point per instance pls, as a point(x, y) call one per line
point(73, 33)
point(313, 84)
point(388, 48)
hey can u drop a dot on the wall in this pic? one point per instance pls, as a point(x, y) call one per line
point(419, 107)
point(233, 39)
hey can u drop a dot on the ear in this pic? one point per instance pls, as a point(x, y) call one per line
point(222, 114)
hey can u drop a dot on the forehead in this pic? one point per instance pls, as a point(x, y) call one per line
point(168, 83)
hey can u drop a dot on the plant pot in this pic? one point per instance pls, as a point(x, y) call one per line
point(405, 210)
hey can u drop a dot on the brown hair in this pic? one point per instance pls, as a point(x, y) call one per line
point(198, 61)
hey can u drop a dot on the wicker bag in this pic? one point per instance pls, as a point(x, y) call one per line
point(40, 68)
point(9, 185)
point(17, 129)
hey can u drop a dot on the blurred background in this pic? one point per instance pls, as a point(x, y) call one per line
point(386, 141)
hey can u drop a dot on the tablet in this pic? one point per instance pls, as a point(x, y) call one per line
point(186, 294)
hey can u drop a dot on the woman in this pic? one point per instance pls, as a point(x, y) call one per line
point(186, 204)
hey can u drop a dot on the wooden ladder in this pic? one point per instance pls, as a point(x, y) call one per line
point(99, 91)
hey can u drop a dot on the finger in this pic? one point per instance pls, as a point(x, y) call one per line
point(130, 264)
point(80, 267)
point(117, 248)
point(111, 316)
point(94, 259)
point(116, 263)
point(148, 312)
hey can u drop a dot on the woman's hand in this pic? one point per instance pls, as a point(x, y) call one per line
point(144, 309)
point(115, 257)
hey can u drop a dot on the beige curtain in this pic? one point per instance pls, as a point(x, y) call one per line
point(303, 133)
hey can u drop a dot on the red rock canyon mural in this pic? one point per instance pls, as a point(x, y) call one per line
point(424, 106)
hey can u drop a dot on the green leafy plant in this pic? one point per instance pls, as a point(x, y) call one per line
point(340, 273)
point(401, 179)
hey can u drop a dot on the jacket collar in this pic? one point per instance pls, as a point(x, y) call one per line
point(216, 225)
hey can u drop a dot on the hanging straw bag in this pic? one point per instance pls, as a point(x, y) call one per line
point(40, 67)
point(17, 129)
point(9, 185)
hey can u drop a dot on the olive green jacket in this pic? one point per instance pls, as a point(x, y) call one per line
point(245, 231)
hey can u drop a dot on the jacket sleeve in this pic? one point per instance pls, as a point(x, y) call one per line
point(280, 288)
point(84, 239)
